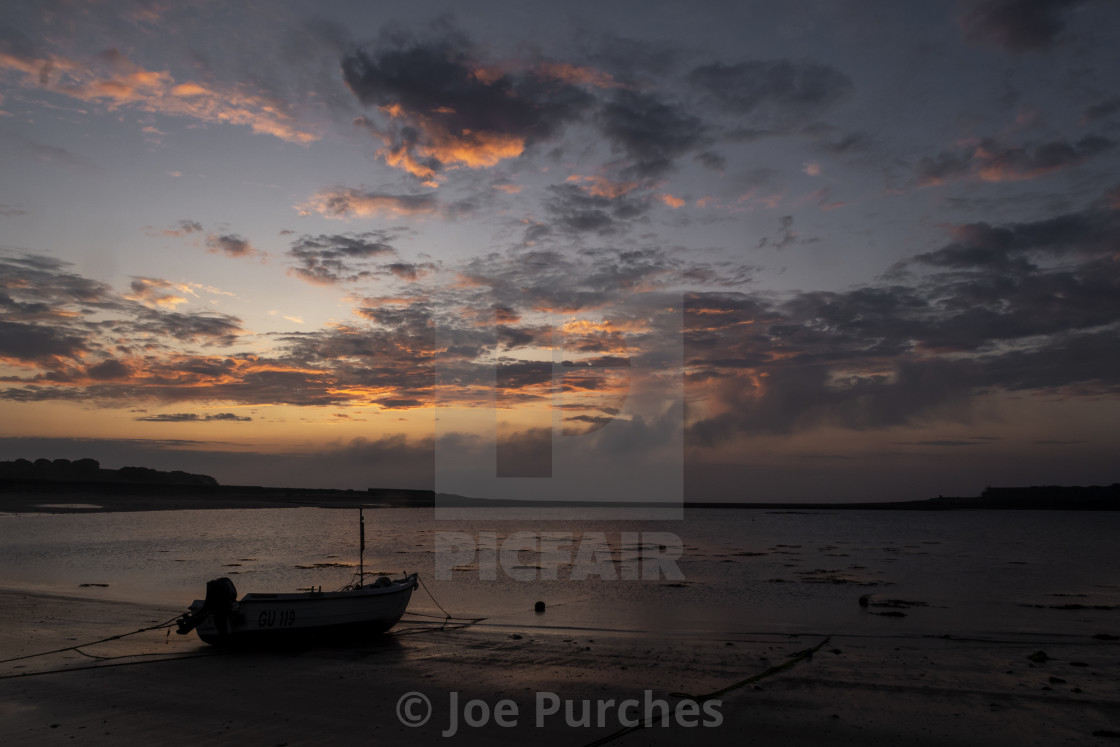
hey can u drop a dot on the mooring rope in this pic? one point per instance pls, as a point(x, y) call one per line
point(176, 657)
point(75, 647)
point(788, 664)
point(447, 616)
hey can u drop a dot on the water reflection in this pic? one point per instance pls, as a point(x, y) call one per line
point(743, 571)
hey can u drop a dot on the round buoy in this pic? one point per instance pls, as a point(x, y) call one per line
point(539, 606)
point(864, 600)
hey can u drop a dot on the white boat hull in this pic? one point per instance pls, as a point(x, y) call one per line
point(271, 618)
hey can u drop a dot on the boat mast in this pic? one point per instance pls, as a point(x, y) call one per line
point(361, 546)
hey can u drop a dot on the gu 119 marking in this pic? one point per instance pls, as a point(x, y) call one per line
point(277, 618)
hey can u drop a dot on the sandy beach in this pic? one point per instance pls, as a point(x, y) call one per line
point(155, 687)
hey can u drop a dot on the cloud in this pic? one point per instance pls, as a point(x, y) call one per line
point(1014, 246)
point(442, 109)
point(547, 280)
point(390, 361)
point(193, 417)
point(990, 161)
point(1016, 307)
point(115, 82)
point(1101, 110)
point(711, 160)
point(410, 271)
point(1025, 307)
point(183, 228)
point(639, 61)
point(774, 93)
point(231, 244)
point(168, 379)
point(348, 202)
point(523, 374)
point(579, 210)
point(109, 370)
point(74, 333)
point(508, 188)
point(58, 155)
point(651, 132)
point(941, 443)
point(37, 343)
point(1016, 25)
point(47, 284)
point(577, 74)
point(1112, 199)
point(670, 200)
point(337, 258)
point(206, 329)
point(785, 236)
point(601, 186)
point(851, 143)
point(157, 292)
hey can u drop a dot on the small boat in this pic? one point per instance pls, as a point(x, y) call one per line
point(222, 619)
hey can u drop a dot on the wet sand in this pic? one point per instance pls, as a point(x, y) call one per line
point(174, 690)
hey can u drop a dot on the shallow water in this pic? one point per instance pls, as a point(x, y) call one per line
point(744, 571)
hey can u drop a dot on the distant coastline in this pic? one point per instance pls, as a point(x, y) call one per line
point(90, 471)
point(82, 485)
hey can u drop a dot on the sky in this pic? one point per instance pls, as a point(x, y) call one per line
point(805, 250)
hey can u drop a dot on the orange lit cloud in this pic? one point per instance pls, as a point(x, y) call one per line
point(990, 161)
point(489, 74)
point(472, 150)
point(670, 200)
point(753, 197)
point(506, 315)
point(575, 74)
point(348, 202)
point(225, 379)
point(115, 82)
point(441, 109)
point(156, 292)
point(184, 228)
point(401, 158)
point(566, 72)
point(600, 186)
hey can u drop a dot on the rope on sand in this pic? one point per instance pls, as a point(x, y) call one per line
point(447, 616)
point(796, 658)
point(75, 647)
point(106, 666)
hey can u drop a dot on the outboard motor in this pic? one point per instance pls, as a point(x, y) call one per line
point(221, 595)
